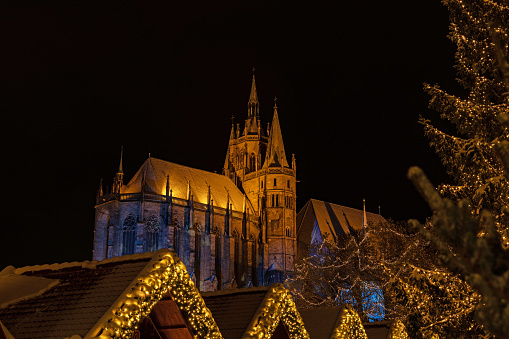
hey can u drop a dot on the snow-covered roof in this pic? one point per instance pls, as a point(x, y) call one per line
point(255, 312)
point(103, 299)
point(154, 171)
point(333, 219)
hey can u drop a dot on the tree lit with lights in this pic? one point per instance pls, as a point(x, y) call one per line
point(470, 225)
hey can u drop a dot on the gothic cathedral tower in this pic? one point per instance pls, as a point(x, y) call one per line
point(257, 164)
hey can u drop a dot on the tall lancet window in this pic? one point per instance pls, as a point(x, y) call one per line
point(151, 234)
point(129, 235)
point(252, 163)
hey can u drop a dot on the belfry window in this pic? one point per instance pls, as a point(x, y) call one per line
point(275, 182)
point(129, 235)
point(151, 234)
point(277, 199)
point(252, 162)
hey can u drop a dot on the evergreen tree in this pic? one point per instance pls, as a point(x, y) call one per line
point(469, 155)
point(471, 232)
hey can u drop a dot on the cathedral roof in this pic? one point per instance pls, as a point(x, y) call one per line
point(275, 155)
point(335, 220)
point(182, 178)
point(98, 298)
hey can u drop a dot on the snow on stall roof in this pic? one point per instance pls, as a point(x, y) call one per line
point(86, 290)
point(154, 172)
point(15, 287)
point(83, 264)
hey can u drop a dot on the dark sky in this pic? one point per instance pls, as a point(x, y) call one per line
point(81, 78)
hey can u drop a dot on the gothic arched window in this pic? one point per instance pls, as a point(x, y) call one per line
point(151, 234)
point(252, 163)
point(129, 235)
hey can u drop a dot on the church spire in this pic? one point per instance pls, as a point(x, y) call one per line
point(275, 155)
point(118, 181)
point(253, 106)
point(121, 154)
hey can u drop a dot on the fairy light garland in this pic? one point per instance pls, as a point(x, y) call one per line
point(350, 325)
point(397, 331)
point(164, 273)
point(277, 306)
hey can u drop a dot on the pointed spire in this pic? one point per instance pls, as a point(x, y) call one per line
point(188, 190)
point(232, 132)
point(275, 155)
point(253, 106)
point(364, 219)
point(253, 96)
point(208, 196)
point(121, 155)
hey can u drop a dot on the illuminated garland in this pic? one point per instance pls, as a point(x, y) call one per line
point(164, 273)
point(397, 331)
point(350, 326)
point(277, 306)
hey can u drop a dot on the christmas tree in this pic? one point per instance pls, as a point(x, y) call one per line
point(471, 230)
point(469, 155)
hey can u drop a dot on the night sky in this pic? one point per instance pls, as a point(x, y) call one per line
point(79, 79)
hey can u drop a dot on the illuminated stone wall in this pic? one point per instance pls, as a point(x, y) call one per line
point(213, 257)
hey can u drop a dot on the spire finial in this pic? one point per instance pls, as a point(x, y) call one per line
point(253, 71)
point(275, 102)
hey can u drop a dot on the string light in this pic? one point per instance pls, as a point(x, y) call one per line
point(164, 273)
point(277, 306)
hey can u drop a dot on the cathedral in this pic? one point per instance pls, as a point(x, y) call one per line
point(233, 229)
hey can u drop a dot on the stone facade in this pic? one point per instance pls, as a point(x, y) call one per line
point(235, 229)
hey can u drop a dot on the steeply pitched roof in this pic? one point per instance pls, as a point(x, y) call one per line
point(154, 172)
point(320, 322)
point(99, 299)
point(233, 310)
point(335, 220)
point(275, 155)
point(255, 312)
point(333, 322)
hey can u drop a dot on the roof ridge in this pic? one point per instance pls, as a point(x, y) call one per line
point(84, 264)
